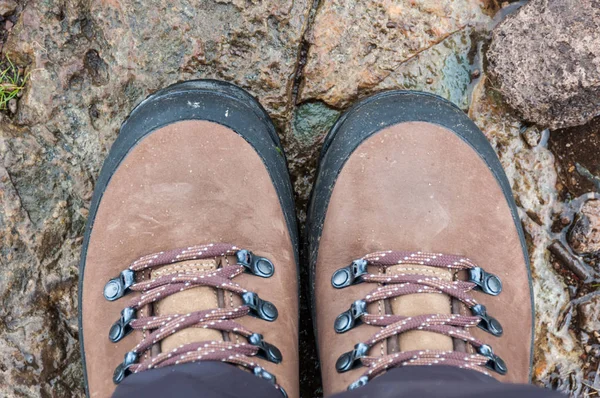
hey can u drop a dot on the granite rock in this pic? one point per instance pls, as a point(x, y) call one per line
point(584, 237)
point(7, 7)
point(545, 60)
point(356, 45)
point(589, 315)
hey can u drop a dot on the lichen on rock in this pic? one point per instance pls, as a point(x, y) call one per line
point(544, 59)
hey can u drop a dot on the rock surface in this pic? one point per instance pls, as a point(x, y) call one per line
point(7, 7)
point(92, 61)
point(589, 315)
point(545, 61)
point(357, 46)
point(585, 235)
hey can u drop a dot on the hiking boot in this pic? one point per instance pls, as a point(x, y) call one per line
point(190, 251)
point(416, 250)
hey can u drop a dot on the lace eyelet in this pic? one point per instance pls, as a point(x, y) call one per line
point(487, 322)
point(122, 370)
point(485, 281)
point(260, 308)
point(255, 265)
point(350, 275)
point(122, 327)
point(494, 362)
point(351, 359)
point(263, 374)
point(266, 351)
point(119, 286)
point(361, 382)
point(351, 318)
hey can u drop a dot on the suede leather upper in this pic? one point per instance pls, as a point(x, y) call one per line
point(418, 186)
point(191, 182)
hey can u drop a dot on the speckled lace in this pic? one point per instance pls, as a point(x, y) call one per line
point(221, 319)
point(452, 325)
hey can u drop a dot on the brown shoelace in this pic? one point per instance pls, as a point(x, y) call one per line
point(157, 328)
point(452, 325)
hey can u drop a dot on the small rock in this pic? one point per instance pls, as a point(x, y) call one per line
point(12, 106)
point(7, 7)
point(429, 80)
point(589, 314)
point(532, 137)
point(584, 237)
point(545, 61)
point(29, 358)
point(476, 73)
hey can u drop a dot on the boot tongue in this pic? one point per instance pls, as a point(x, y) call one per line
point(422, 304)
point(190, 300)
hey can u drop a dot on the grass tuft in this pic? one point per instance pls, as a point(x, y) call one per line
point(12, 82)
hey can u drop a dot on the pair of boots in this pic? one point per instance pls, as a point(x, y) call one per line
point(190, 255)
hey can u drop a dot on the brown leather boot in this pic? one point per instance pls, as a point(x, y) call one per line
point(190, 252)
point(416, 249)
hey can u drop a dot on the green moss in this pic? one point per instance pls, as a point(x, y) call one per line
point(313, 120)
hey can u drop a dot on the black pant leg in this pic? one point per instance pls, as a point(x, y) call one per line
point(218, 380)
point(443, 382)
point(200, 379)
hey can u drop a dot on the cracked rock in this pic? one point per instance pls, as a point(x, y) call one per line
point(7, 7)
point(584, 237)
point(357, 45)
point(545, 61)
point(589, 315)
